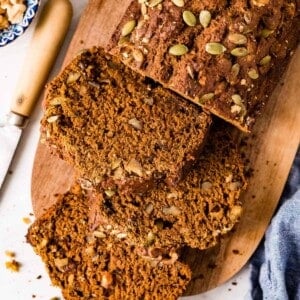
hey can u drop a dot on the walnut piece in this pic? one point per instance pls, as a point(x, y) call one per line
point(11, 12)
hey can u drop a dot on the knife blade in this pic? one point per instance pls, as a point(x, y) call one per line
point(49, 33)
point(11, 135)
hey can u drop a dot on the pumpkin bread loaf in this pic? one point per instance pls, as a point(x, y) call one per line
point(118, 128)
point(226, 56)
point(86, 265)
point(203, 207)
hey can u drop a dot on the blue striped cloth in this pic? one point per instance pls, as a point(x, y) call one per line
point(275, 266)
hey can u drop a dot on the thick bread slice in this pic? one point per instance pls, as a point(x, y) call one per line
point(87, 265)
point(118, 128)
point(203, 207)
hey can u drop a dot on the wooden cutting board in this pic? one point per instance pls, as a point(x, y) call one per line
point(270, 148)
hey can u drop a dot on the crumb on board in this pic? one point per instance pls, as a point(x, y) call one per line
point(10, 253)
point(13, 265)
point(39, 277)
point(26, 220)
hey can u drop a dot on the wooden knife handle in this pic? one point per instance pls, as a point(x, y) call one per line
point(47, 39)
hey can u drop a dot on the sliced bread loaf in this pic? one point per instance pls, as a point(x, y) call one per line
point(226, 56)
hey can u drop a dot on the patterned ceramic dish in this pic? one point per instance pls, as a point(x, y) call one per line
point(14, 31)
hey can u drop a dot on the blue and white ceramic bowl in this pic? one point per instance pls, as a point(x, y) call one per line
point(14, 31)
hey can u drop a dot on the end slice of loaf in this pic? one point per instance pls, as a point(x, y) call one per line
point(118, 128)
point(203, 207)
point(87, 265)
point(226, 56)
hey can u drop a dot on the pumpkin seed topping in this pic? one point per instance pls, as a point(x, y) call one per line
point(178, 50)
point(215, 48)
point(236, 98)
point(237, 38)
point(205, 18)
point(128, 27)
point(189, 18)
point(153, 3)
point(52, 119)
point(138, 55)
point(253, 74)
point(235, 69)
point(239, 51)
point(179, 3)
point(206, 97)
point(265, 60)
point(266, 32)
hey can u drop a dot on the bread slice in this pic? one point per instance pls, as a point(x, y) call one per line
point(196, 213)
point(88, 265)
point(226, 56)
point(118, 128)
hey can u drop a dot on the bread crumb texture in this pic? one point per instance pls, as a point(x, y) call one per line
point(119, 129)
point(88, 267)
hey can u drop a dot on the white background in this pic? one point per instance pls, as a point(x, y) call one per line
point(15, 201)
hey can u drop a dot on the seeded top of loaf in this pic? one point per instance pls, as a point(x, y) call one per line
point(86, 266)
point(119, 128)
point(226, 56)
point(204, 206)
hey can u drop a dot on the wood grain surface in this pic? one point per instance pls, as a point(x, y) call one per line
point(271, 149)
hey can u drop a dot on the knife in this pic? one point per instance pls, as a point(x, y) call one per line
point(49, 33)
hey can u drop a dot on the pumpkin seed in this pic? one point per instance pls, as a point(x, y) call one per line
point(138, 55)
point(153, 3)
point(237, 99)
point(215, 48)
point(237, 38)
point(190, 71)
point(266, 60)
point(52, 119)
point(99, 234)
point(239, 51)
point(128, 27)
point(205, 18)
point(253, 74)
point(235, 69)
point(150, 238)
point(135, 123)
point(56, 101)
point(260, 3)
point(189, 18)
point(123, 40)
point(73, 77)
point(178, 50)
point(179, 3)
point(235, 109)
point(266, 32)
point(109, 193)
point(248, 17)
point(206, 97)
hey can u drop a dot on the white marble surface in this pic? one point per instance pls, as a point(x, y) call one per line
point(15, 202)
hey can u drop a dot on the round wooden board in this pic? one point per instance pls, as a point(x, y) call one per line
point(271, 149)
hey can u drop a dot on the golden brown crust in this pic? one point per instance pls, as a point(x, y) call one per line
point(255, 41)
